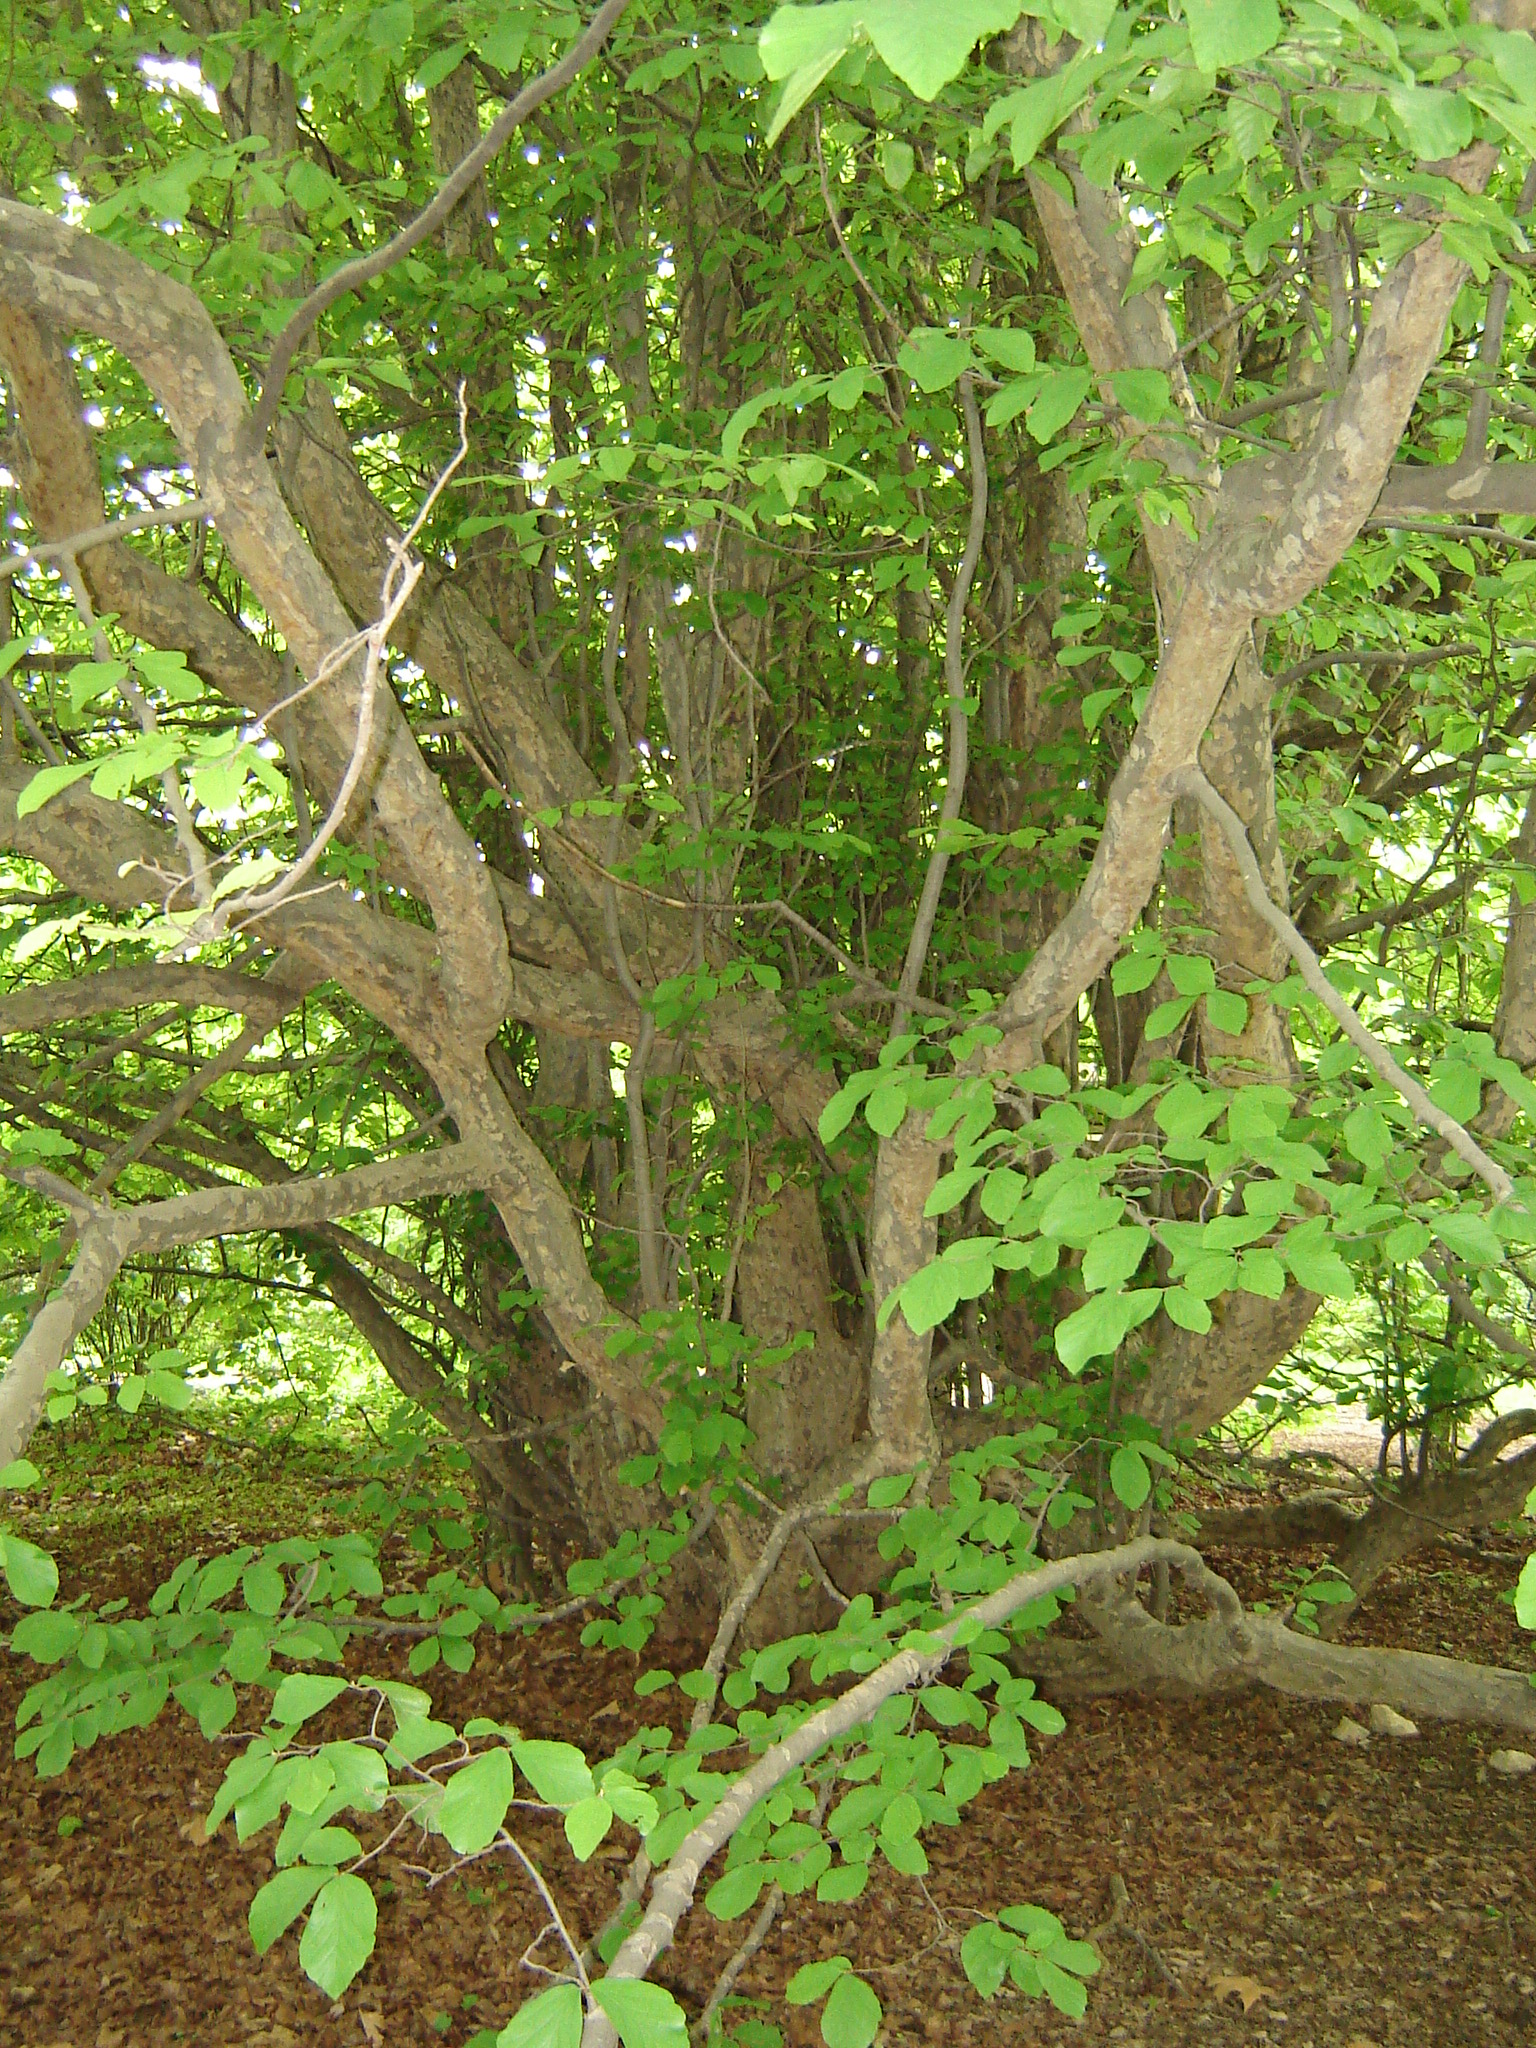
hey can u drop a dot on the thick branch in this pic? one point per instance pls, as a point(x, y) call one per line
point(1134, 1653)
point(1279, 528)
point(96, 536)
point(132, 988)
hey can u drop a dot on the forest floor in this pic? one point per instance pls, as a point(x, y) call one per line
point(1280, 1887)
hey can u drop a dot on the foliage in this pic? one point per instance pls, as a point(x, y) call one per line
point(729, 325)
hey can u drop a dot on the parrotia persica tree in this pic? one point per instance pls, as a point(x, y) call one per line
point(842, 697)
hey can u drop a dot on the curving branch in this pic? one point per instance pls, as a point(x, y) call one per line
point(108, 1237)
point(1277, 527)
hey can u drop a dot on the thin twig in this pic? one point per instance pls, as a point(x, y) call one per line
point(959, 723)
point(363, 269)
point(400, 579)
point(1193, 783)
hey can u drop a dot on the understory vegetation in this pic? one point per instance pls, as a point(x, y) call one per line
point(767, 822)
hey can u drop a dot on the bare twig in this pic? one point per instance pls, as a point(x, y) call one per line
point(400, 579)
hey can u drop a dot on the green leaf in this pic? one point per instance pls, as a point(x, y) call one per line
point(934, 359)
point(475, 1802)
point(339, 1935)
point(930, 1295)
point(902, 1818)
point(896, 162)
point(1185, 1111)
point(1066, 1993)
point(1015, 397)
point(440, 65)
point(169, 1389)
point(279, 1903)
point(587, 1824)
point(1133, 972)
point(1226, 1012)
point(985, 1953)
point(1062, 392)
point(1434, 124)
point(19, 1474)
point(885, 1493)
point(851, 2017)
point(1249, 126)
point(31, 1574)
point(1260, 1272)
point(1097, 702)
point(1470, 1236)
point(814, 1980)
point(1102, 1324)
point(1013, 347)
point(847, 1881)
point(1319, 1269)
point(303, 1693)
point(552, 2020)
point(737, 1892)
point(1166, 1018)
point(48, 782)
point(1145, 394)
point(844, 392)
point(43, 1635)
point(644, 2015)
point(1525, 1594)
point(557, 1771)
point(1129, 1477)
point(886, 1109)
point(801, 45)
point(264, 1588)
point(1191, 973)
point(1037, 110)
point(1113, 1258)
point(927, 48)
point(1226, 33)
point(390, 27)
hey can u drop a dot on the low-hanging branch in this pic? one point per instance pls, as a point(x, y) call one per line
point(108, 1236)
point(1229, 1647)
point(100, 535)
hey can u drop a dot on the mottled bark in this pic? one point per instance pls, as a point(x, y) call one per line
point(809, 1407)
point(1188, 1383)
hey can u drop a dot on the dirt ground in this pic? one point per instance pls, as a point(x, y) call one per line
point(1280, 1887)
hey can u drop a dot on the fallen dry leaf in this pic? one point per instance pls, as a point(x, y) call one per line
point(1359, 2041)
point(1374, 1885)
point(1248, 1989)
point(373, 2028)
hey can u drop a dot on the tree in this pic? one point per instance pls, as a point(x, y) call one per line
point(955, 588)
